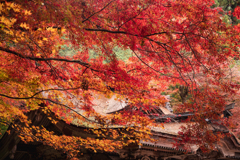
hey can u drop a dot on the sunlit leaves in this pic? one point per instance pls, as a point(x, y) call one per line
point(131, 50)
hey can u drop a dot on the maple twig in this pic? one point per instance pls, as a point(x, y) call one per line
point(153, 68)
point(194, 52)
point(163, 45)
point(49, 64)
point(97, 11)
point(133, 17)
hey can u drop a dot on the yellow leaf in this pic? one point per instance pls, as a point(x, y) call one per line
point(24, 25)
point(27, 13)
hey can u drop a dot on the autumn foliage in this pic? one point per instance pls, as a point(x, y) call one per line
point(172, 42)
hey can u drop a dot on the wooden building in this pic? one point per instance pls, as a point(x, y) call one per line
point(11, 147)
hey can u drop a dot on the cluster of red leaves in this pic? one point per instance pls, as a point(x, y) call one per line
point(236, 12)
point(171, 42)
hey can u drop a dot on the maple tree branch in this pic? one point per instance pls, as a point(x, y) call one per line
point(44, 59)
point(47, 99)
point(122, 32)
point(134, 69)
point(57, 89)
point(3, 95)
point(109, 31)
point(153, 34)
point(48, 59)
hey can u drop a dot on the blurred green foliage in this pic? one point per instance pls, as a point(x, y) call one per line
point(3, 129)
point(228, 6)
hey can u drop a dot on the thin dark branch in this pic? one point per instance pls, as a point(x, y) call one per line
point(48, 59)
point(46, 99)
point(97, 12)
point(50, 100)
point(162, 74)
point(122, 32)
point(194, 52)
point(134, 17)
